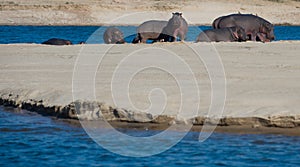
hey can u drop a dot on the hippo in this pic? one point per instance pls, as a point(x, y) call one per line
point(229, 34)
point(254, 26)
point(113, 35)
point(149, 30)
point(177, 26)
point(57, 41)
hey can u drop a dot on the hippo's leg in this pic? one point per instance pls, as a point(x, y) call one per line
point(175, 34)
point(262, 37)
point(181, 36)
point(253, 36)
point(143, 40)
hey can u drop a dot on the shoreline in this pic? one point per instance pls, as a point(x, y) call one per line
point(228, 129)
point(79, 110)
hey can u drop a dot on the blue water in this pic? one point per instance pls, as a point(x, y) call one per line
point(39, 34)
point(28, 139)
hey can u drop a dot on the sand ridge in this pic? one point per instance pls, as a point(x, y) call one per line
point(99, 12)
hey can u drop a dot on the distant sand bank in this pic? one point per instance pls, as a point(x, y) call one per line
point(91, 12)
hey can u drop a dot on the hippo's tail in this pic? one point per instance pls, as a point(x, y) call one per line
point(137, 39)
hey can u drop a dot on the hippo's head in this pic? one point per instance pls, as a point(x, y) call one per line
point(241, 33)
point(238, 33)
point(117, 37)
point(268, 29)
point(68, 42)
point(175, 21)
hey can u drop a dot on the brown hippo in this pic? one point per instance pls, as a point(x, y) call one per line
point(57, 41)
point(149, 30)
point(254, 26)
point(230, 34)
point(177, 26)
point(113, 35)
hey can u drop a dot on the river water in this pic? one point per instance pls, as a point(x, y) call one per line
point(29, 139)
point(39, 34)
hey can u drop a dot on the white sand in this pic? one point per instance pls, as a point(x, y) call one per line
point(262, 78)
point(134, 12)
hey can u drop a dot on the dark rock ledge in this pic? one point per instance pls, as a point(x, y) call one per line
point(82, 110)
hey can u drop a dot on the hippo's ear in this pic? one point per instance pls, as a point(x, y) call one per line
point(180, 14)
point(173, 13)
point(268, 26)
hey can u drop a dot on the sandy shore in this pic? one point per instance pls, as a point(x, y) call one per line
point(91, 12)
point(262, 81)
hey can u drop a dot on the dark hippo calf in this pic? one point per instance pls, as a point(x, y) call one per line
point(254, 26)
point(113, 35)
point(149, 30)
point(177, 26)
point(230, 34)
point(57, 41)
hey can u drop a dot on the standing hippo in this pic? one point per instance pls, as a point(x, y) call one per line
point(230, 34)
point(177, 26)
point(254, 26)
point(113, 35)
point(149, 30)
point(57, 41)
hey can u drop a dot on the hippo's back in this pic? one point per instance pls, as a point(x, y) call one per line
point(246, 21)
point(155, 26)
point(216, 35)
point(57, 41)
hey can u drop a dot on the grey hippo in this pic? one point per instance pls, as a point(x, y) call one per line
point(229, 34)
point(113, 35)
point(149, 30)
point(255, 27)
point(177, 26)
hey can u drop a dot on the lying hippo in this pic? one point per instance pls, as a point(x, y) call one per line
point(254, 26)
point(113, 35)
point(149, 30)
point(177, 26)
point(230, 34)
point(57, 41)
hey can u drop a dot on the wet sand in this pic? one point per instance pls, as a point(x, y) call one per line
point(233, 129)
